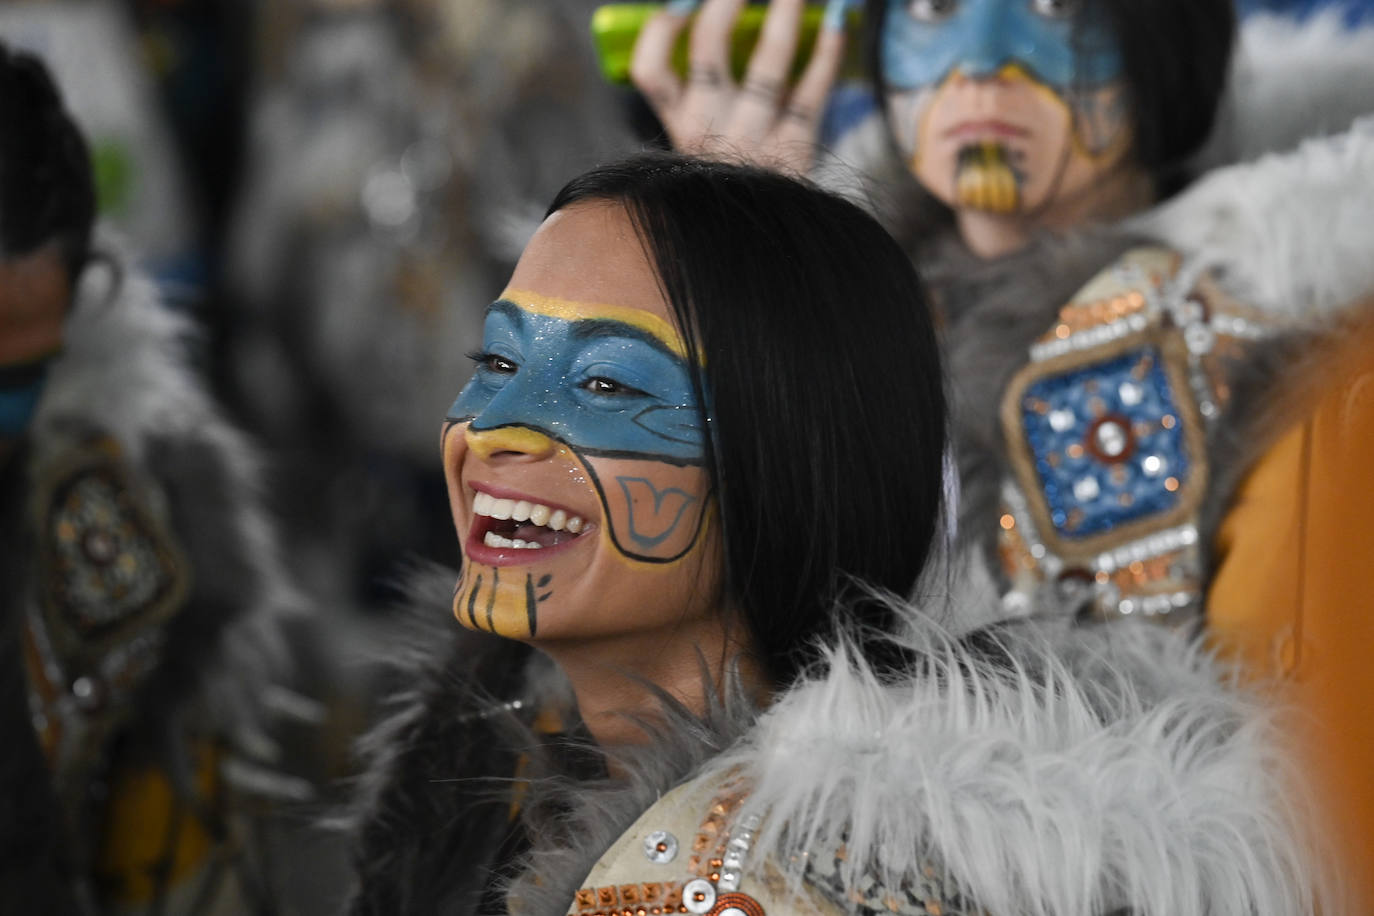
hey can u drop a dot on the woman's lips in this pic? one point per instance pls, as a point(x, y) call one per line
point(986, 129)
point(512, 529)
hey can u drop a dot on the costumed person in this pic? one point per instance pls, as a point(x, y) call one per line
point(1098, 382)
point(1114, 388)
point(692, 482)
point(142, 591)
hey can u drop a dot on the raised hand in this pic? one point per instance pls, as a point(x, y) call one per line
point(761, 118)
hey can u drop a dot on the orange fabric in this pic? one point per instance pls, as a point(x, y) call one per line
point(1292, 594)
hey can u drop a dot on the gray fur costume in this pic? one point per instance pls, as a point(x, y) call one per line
point(1032, 768)
point(143, 584)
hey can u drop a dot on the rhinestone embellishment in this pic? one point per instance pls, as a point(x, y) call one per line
point(660, 847)
point(698, 895)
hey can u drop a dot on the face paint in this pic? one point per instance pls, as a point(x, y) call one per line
point(1003, 106)
point(924, 41)
point(34, 295)
point(20, 389)
point(575, 455)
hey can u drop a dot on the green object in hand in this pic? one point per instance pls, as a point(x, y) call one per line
point(615, 27)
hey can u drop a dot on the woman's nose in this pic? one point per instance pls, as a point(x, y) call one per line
point(512, 440)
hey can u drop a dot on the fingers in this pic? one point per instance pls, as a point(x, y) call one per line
point(709, 54)
point(771, 63)
point(808, 98)
point(651, 64)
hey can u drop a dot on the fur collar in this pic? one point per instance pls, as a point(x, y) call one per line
point(1288, 233)
point(1046, 768)
point(1073, 770)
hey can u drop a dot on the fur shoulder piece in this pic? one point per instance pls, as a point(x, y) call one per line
point(123, 368)
point(1049, 770)
point(125, 375)
point(1289, 234)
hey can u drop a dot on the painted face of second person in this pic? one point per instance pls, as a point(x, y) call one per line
point(575, 457)
point(1003, 106)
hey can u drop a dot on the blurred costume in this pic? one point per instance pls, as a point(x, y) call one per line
point(1103, 380)
point(1034, 767)
point(142, 600)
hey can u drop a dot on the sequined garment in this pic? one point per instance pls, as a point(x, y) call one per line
point(1106, 432)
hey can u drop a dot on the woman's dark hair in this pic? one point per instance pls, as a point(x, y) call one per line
point(823, 391)
point(1175, 58)
point(47, 193)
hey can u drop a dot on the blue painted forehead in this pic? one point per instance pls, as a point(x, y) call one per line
point(601, 385)
point(923, 41)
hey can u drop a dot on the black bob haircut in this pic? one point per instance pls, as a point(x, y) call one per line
point(823, 392)
point(47, 192)
point(1175, 57)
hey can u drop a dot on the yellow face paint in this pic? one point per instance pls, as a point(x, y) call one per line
point(572, 310)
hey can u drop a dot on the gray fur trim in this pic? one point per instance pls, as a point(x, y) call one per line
point(1073, 770)
point(1291, 79)
point(1289, 234)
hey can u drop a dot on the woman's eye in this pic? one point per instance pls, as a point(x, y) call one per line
point(601, 385)
point(493, 363)
point(1055, 9)
point(931, 10)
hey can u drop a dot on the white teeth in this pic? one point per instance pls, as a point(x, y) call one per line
point(492, 539)
point(521, 510)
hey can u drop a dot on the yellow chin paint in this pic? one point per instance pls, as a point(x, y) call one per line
point(499, 600)
point(985, 181)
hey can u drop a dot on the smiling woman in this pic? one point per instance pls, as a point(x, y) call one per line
point(623, 435)
point(699, 469)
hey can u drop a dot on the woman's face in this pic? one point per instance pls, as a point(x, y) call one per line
point(575, 455)
point(998, 106)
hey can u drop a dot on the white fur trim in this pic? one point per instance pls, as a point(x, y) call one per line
point(1289, 234)
point(1290, 80)
point(1110, 770)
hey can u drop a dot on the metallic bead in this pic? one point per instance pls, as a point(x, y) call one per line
point(1130, 393)
point(1062, 420)
point(1086, 489)
point(1199, 338)
point(1152, 465)
point(698, 895)
point(660, 847)
point(89, 692)
point(729, 880)
point(1112, 439)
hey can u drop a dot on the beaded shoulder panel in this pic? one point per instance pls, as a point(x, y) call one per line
point(1106, 430)
point(109, 576)
point(691, 853)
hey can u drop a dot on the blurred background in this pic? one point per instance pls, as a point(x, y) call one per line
point(335, 190)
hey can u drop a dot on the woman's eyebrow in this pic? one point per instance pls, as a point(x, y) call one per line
point(510, 310)
point(589, 328)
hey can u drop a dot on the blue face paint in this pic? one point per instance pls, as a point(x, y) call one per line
point(20, 390)
point(602, 386)
point(923, 41)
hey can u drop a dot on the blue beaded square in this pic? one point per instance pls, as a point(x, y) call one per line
point(1107, 442)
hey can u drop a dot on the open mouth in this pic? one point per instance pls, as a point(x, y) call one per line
point(517, 524)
